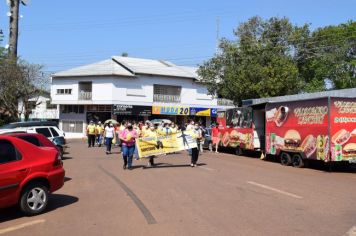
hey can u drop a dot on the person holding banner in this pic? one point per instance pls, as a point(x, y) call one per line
point(197, 134)
point(128, 137)
point(150, 133)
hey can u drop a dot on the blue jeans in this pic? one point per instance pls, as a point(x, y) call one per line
point(127, 154)
point(108, 144)
point(99, 139)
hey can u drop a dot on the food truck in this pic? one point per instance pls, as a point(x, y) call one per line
point(312, 129)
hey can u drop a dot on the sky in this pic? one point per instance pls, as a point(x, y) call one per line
point(68, 33)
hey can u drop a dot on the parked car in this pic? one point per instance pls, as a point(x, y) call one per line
point(25, 124)
point(54, 134)
point(28, 174)
point(208, 142)
point(38, 140)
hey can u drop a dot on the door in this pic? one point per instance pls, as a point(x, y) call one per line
point(12, 173)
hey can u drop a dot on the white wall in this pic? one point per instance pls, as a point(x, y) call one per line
point(41, 111)
point(135, 91)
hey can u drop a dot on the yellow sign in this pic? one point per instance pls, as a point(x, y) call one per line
point(153, 146)
point(170, 110)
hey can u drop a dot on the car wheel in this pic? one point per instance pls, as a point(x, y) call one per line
point(210, 146)
point(286, 160)
point(297, 161)
point(34, 199)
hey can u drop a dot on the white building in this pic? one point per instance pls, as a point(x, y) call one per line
point(42, 109)
point(133, 89)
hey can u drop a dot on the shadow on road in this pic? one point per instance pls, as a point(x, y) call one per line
point(55, 201)
point(167, 165)
point(66, 179)
point(66, 158)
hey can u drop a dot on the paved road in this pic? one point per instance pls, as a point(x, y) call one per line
point(225, 195)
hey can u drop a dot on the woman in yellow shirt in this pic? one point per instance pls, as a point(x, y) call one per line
point(150, 133)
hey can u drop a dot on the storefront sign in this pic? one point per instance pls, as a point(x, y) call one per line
point(200, 111)
point(121, 109)
point(170, 110)
point(214, 112)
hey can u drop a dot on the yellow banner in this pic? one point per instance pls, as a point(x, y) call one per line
point(165, 144)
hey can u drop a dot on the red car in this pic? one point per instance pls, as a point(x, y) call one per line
point(28, 174)
point(36, 139)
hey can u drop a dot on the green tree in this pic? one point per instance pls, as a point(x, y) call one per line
point(334, 57)
point(19, 81)
point(259, 63)
point(272, 57)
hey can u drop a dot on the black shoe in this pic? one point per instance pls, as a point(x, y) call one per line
point(124, 167)
point(107, 152)
point(99, 145)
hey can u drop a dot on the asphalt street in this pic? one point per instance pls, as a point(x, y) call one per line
point(224, 195)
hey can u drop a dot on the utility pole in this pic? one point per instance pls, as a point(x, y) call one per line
point(14, 28)
point(14, 25)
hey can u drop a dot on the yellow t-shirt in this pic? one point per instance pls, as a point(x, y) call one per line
point(99, 129)
point(150, 134)
point(91, 129)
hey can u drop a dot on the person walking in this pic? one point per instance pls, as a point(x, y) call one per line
point(173, 128)
point(195, 151)
point(91, 132)
point(99, 133)
point(190, 126)
point(109, 135)
point(128, 137)
point(145, 128)
point(150, 133)
point(215, 135)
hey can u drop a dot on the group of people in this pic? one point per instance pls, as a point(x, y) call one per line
point(124, 134)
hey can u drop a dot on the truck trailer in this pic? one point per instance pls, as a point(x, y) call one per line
point(321, 129)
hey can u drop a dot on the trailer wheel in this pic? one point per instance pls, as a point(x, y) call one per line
point(238, 151)
point(297, 161)
point(286, 160)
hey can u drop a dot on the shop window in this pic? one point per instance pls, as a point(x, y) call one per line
point(72, 126)
point(78, 109)
point(105, 108)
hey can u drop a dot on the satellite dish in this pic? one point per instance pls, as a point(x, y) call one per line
point(8, 2)
point(7, 46)
point(8, 14)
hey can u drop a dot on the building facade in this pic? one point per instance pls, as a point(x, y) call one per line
point(124, 88)
point(41, 109)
